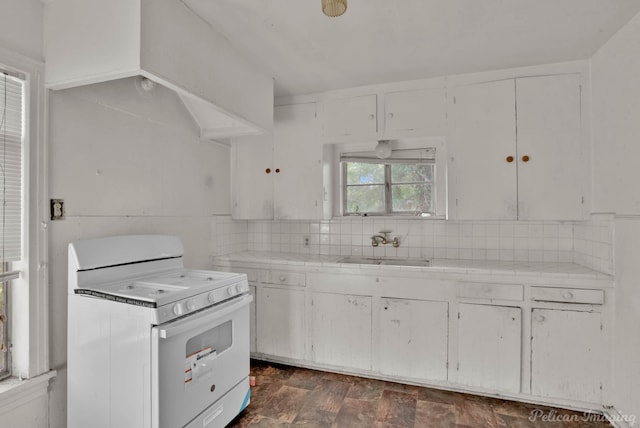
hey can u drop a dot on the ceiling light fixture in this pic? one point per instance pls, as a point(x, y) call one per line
point(383, 149)
point(334, 8)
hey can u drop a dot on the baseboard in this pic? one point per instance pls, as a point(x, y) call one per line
point(618, 419)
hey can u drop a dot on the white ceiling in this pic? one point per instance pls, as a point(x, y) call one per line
point(378, 41)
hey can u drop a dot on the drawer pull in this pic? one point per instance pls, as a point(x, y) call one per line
point(567, 295)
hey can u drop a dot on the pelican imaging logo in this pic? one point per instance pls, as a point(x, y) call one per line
point(551, 415)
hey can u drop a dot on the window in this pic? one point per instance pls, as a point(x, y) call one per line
point(403, 183)
point(12, 131)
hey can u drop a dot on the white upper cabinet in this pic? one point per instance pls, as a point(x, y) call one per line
point(92, 41)
point(298, 191)
point(408, 113)
point(354, 117)
point(415, 113)
point(281, 176)
point(550, 182)
point(252, 178)
point(482, 144)
point(516, 149)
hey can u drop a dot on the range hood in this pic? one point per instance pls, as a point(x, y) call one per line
point(92, 41)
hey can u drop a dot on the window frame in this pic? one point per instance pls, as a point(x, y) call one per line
point(440, 179)
point(388, 188)
point(28, 294)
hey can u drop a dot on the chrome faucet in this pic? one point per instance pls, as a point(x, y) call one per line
point(378, 239)
point(382, 239)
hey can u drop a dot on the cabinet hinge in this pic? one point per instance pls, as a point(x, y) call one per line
point(458, 367)
point(454, 99)
point(601, 326)
point(582, 200)
point(458, 315)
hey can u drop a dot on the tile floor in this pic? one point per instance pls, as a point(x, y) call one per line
point(290, 397)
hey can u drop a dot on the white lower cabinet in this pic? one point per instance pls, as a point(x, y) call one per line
point(252, 320)
point(341, 330)
point(466, 334)
point(489, 346)
point(567, 354)
point(281, 322)
point(412, 339)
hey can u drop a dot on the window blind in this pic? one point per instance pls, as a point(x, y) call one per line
point(11, 140)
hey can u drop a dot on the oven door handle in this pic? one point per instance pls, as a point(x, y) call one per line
point(203, 319)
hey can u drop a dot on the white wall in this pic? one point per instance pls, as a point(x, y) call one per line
point(126, 161)
point(21, 27)
point(616, 155)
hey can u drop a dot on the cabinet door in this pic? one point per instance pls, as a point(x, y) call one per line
point(252, 178)
point(567, 355)
point(413, 338)
point(281, 329)
point(420, 113)
point(349, 117)
point(483, 136)
point(489, 344)
point(341, 330)
point(550, 182)
point(252, 320)
point(298, 185)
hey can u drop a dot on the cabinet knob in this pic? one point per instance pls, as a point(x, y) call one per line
point(525, 158)
point(277, 170)
point(282, 278)
point(372, 116)
point(390, 115)
point(509, 159)
point(540, 318)
point(268, 170)
point(567, 295)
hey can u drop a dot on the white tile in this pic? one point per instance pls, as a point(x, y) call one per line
point(551, 230)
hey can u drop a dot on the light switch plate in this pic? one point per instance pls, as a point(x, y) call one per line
point(56, 208)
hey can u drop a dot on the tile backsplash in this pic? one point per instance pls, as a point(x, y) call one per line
point(588, 243)
point(593, 243)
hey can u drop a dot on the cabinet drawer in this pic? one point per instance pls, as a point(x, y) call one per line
point(479, 290)
point(285, 278)
point(567, 295)
point(252, 275)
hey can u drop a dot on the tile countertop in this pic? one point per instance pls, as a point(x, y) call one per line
point(564, 270)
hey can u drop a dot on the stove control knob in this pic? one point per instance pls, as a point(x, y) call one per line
point(243, 288)
point(232, 290)
point(191, 305)
point(177, 309)
point(212, 297)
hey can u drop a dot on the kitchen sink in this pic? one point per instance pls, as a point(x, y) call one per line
point(385, 261)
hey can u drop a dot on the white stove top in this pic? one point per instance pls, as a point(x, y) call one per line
point(160, 290)
point(149, 274)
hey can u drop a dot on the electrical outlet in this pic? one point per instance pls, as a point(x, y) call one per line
point(306, 241)
point(56, 207)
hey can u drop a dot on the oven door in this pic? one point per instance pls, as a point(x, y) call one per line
point(196, 360)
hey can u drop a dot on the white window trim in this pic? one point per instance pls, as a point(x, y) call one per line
point(441, 186)
point(29, 293)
